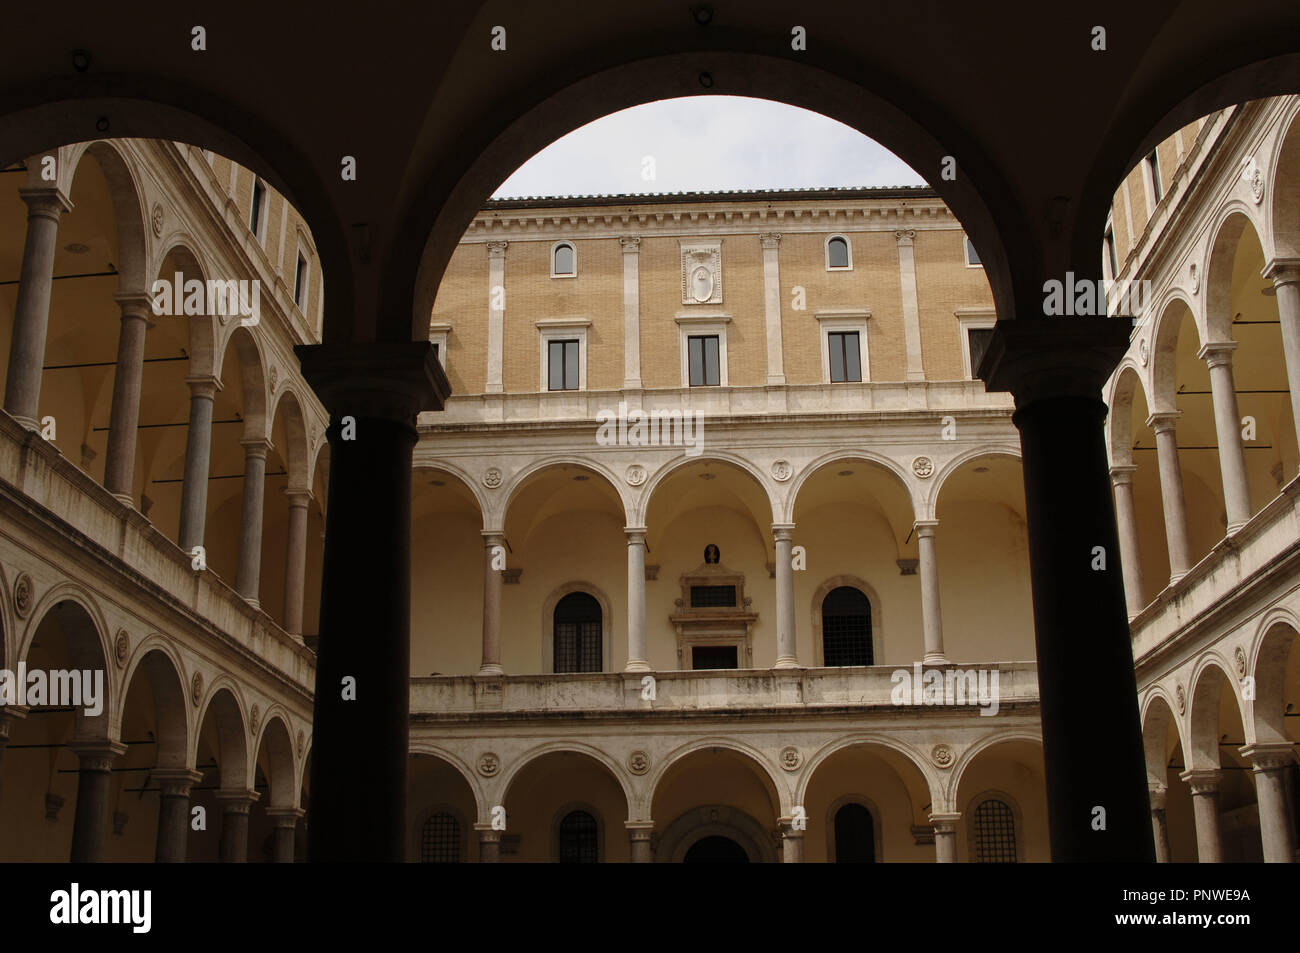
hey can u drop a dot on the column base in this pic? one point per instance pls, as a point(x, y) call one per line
point(934, 658)
point(492, 670)
point(126, 499)
point(29, 422)
point(787, 661)
point(638, 665)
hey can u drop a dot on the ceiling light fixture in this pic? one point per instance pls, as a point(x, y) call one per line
point(76, 248)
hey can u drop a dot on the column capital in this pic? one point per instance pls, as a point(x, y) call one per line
point(781, 532)
point(904, 237)
point(1158, 794)
point(175, 782)
point(1282, 271)
point(1163, 420)
point(204, 385)
point(1122, 473)
point(770, 239)
point(389, 380)
point(945, 823)
point(635, 534)
point(631, 244)
point(236, 800)
point(497, 249)
point(1037, 358)
point(96, 754)
point(786, 823)
point(47, 202)
point(1203, 780)
point(639, 830)
point(1269, 756)
point(285, 816)
point(256, 446)
point(298, 496)
point(925, 528)
point(135, 304)
point(1217, 353)
point(487, 835)
point(493, 537)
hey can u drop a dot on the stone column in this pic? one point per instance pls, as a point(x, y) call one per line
point(128, 375)
point(94, 782)
point(1205, 807)
point(791, 841)
point(285, 820)
point(1285, 275)
point(493, 549)
point(198, 451)
point(496, 316)
point(1171, 492)
point(1055, 369)
point(295, 559)
point(637, 660)
point(32, 306)
point(9, 715)
point(639, 834)
point(786, 652)
point(248, 577)
point(771, 242)
point(945, 837)
point(911, 310)
point(1271, 762)
point(1121, 479)
point(235, 806)
point(360, 743)
point(1159, 826)
point(931, 611)
point(1227, 424)
point(489, 844)
point(173, 813)
point(631, 312)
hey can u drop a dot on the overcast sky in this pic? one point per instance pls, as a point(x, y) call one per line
point(707, 143)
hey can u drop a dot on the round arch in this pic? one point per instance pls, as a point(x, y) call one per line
point(858, 740)
point(758, 762)
point(956, 463)
point(126, 195)
point(253, 376)
point(202, 329)
point(1271, 646)
point(1161, 397)
point(971, 753)
point(1208, 680)
point(274, 734)
point(495, 516)
point(1124, 385)
point(1282, 199)
point(641, 506)
point(716, 820)
point(890, 466)
point(225, 703)
point(426, 748)
point(1228, 229)
point(1157, 716)
point(296, 453)
point(159, 658)
point(67, 591)
point(470, 485)
point(573, 747)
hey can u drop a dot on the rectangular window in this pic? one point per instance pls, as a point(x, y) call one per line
point(972, 256)
point(562, 360)
point(978, 339)
point(702, 353)
point(1153, 169)
point(713, 656)
point(1110, 253)
point(706, 597)
point(300, 281)
point(259, 207)
point(846, 361)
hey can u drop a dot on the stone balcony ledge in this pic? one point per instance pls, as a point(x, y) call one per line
point(48, 499)
point(815, 400)
point(736, 691)
point(1253, 558)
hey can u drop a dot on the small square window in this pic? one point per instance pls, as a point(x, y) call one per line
point(978, 339)
point(300, 282)
point(845, 356)
point(257, 217)
point(562, 363)
point(1153, 170)
point(702, 354)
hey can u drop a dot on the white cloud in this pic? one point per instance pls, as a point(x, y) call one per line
point(704, 143)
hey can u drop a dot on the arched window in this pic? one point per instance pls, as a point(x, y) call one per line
point(855, 835)
point(846, 627)
point(995, 832)
point(564, 261)
point(578, 839)
point(837, 252)
point(577, 634)
point(440, 839)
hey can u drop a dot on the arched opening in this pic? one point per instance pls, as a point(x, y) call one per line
point(579, 841)
point(221, 757)
point(577, 634)
point(716, 849)
point(1165, 763)
point(715, 791)
point(855, 835)
point(1002, 798)
point(447, 573)
point(560, 786)
point(846, 627)
point(1220, 774)
point(441, 812)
